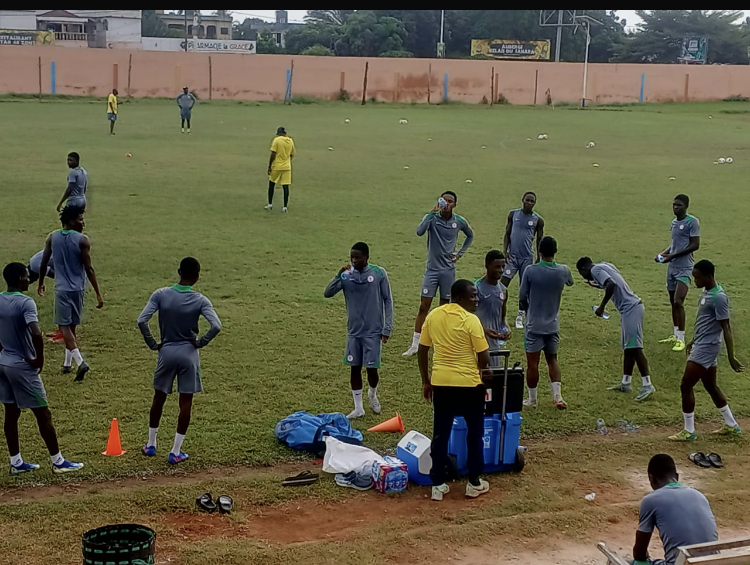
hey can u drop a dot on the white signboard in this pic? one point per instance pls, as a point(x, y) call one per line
point(198, 45)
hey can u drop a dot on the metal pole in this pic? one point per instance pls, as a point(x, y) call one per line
point(186, 35)
point(586, 65)
point(442, 24)
point(559, 35)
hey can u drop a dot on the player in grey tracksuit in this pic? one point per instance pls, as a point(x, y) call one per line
point(442, 227)
point(711, 321)
point(179, 308)
point(606, 276)
point(185, 101)
point(492, 305)
point(369, 310)
point(78, 178)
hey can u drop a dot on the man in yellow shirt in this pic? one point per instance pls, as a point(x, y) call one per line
point(112, 110)
point(455, 387)
point(280, 166)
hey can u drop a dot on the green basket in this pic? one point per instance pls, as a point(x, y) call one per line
point(120, 544)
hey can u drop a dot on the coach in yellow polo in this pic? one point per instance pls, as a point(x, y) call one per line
point(455, 387)
point(280, 166)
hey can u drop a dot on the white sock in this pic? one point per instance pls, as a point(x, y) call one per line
point(372, 392)
point(726, 412)
point(680, 335)
point(626, 379)
point(68, 358)
point(689, 422)
point(152, 437)
point(357, 394)
point(77, 357)
point(676, 331)
point(415, 339)
point(177, 446)
point(556, 391)
point(16, 459)
point(645, 380)
point(57, 459)
point(532, 394)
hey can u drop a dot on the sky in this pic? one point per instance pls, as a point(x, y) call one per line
point(299, 15)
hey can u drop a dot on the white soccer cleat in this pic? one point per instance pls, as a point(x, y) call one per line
point(374, 403)
point(519, 322)
point(354, 414)
point(411, 351)
point(269, 207)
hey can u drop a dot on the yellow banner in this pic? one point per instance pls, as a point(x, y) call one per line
point(12, 37)
point(511, 48)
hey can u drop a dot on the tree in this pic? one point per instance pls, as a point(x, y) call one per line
point(318, 51)
point(422, 29)
point(248, 29)
point(301, 37)
point(267, 43)
point(661, 35)
point(152, 25)
point(366, 35)
point(333, 17)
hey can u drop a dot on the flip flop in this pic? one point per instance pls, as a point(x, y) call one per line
point(715, 460)
point(224, 503)
point(700, 459)
point(304, 478)
point(205, 503)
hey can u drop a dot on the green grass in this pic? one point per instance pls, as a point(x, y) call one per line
point(281, 346)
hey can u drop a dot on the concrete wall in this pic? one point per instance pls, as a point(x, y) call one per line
point(263, 77)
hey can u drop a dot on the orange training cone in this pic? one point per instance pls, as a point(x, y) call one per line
point(393, 425)
point(114, 447)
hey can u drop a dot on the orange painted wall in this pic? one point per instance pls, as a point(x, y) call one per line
point(263, 77)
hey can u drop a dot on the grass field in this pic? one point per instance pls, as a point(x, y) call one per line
point(280, 349)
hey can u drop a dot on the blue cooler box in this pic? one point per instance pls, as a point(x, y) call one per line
point(414, 450)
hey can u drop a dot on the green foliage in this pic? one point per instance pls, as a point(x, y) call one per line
point(661, 36)
point(397, 54)
point(302, 37)
point(267, 43)
point(736, 98)
point(366, 35)
point(318, 50)
point(329, 17)
point(245, 29)
point(343, 95)
point(153, 26)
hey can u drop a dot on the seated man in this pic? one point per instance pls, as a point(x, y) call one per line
point(682, 514)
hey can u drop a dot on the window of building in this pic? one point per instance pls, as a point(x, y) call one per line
point(211, 32)
point(225, 31)
point(277, 37)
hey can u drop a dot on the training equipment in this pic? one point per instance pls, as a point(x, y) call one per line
point(484, 147)
point(595, 165)
point(542, 136)
point(672, 178)
point(114, 448)
point(591, 144)
point(429, 139)
point(393, 425)
point(124, 544)
point(722, 160)
point(128, 154)
point(390, 475)
point(528, 139)
point(403, 121)
point(729, 160)
point(66, 467)
point(415, 450)
point(406, 167)
point(468, 181)
point(330, 149)
point(605, 315)
point(347, 120)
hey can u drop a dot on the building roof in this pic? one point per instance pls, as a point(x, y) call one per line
point(56, 14)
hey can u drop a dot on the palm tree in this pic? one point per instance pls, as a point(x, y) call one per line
point(332, 17)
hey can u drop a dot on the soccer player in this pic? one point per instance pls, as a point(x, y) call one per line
point(631, 309)
point(523, 225)
point(280, 166)
point(441, 226)
point(686, 232)
point(179, 308)
point(539, 296)
point(185, 101)
point(70, 252)
point(491, 308)
point(35, 264)
point(369, 309)
point(460, 353)
point(703, 350)
point(21, 362)
point(682, 514)
point(112, 110)
point(75, 194)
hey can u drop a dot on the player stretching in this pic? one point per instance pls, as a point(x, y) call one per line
point(631, 309)
point(21, 362)
point(441, 226)
point(703, 350)
point(112, 110)
point(280, 166)
point(686, 231)
point(539, 295)
point(523, 224)
point(70, 252)
point(185, 101)
point(179, 308)
point(492, 304)
point(369, 310)
point(75, 194)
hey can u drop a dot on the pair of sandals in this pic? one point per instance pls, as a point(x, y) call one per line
point(206, 503)
point(706, 461)
point(302, 479)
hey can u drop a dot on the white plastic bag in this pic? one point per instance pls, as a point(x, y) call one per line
point(343, 457)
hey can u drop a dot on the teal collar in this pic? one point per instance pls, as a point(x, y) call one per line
point(547, 263)
point(14, 293)
point(182, 288)
point(673, 484)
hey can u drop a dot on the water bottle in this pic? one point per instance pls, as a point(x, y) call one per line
point(601, 426)
point(503, 329)
point(660, 258)
point(442, 204)
point(605, 315)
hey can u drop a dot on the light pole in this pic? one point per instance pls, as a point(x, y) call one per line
point(586, 26)
point(441, 44)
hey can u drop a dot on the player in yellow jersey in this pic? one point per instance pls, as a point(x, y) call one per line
point(112, 110)
point(280, 166)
